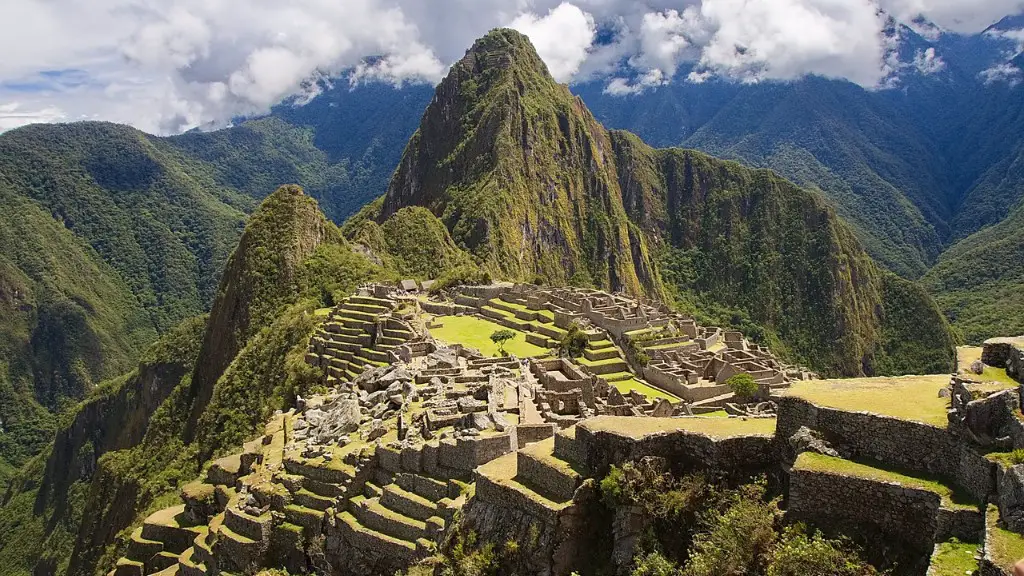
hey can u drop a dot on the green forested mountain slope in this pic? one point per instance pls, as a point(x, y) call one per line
point(526, 179)
point(111, 237)
point(67, 321)
point(874, 165)
point(980, 280)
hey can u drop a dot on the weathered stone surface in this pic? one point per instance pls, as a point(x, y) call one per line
point(806, 440)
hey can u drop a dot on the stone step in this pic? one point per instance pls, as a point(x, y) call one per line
point(407, 503)
point(617, 377)
point(361, 325)
point(325, 489)
point(309, 518)
point(375, 516)
point(310, 500)
point(423, 486)
point(374, 309)
point(547, 475)
point(499, 305)
point(371, 490)
point(566, 447)
point(235, 550)
point(161, 561)
point(372, 539)
point(126, 567)
point(550, 331)
point(352, 314)
point(165, 526)
point(382, 302)
point(142, 549)
point(399, 334)
point(386, 341)
point(602, 354)
point(606, 366)
point(225, 470)
point(342, 329)
point(374, 355)
point(251, 527)
point(496, 484)
point(172, 570)
point(333, 472)
point(359, 340)
point(189, 564)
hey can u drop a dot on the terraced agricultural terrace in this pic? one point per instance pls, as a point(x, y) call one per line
point(422, 435)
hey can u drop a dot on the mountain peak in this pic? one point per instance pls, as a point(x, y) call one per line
point(503, 48)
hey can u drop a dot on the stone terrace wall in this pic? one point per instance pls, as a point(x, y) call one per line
point(908, 445)
point(888, 516)
point(1015, 364)
point(739, 456)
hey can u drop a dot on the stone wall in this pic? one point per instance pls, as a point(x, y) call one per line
point(1015, 364)
point(888, 518)
point(684, 450)
point(912, 446)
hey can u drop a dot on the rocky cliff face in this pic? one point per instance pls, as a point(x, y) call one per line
point(525, 178)
point(260, 275)
point(117, 416)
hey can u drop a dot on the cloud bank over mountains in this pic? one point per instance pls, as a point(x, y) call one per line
point(170, 65)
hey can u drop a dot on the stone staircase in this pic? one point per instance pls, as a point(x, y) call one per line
point(156, 546)
point(537, 479)
point(357, 335)
point(405, 513)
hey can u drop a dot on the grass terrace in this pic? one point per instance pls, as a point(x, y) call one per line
point(545, 313)
point(1003, 546)
point(711, 427)
point(914, 398)
point(967, 355)
point(814, 462)
point(953, 558)
point(646, 389)
point(476, 333)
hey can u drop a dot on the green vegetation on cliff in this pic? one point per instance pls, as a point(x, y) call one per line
point(289, 262)
point(980, 280)
point(525, 179)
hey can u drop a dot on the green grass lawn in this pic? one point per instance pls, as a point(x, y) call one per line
point(954, 558)
point(815, 462)
point(713, 427)
point(646, 389)
point(1004, 546)
point(476, 333)
point(966, 355)
point(913, 398)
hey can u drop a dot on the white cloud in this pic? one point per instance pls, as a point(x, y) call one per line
point(562, 38)
point(1002, 73)
point(169, 65)
point(926, 62)
point(13, 115)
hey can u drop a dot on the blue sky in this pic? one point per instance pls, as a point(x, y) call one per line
point(170, 65)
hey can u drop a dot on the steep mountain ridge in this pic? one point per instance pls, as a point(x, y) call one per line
point(528, 181)
point(519, 171)
point(260, 275)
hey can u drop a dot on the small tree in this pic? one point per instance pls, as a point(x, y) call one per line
point(574, 342)
point(499, 337)
point(742, 385)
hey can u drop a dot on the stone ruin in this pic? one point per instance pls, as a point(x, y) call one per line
point(376, 470)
